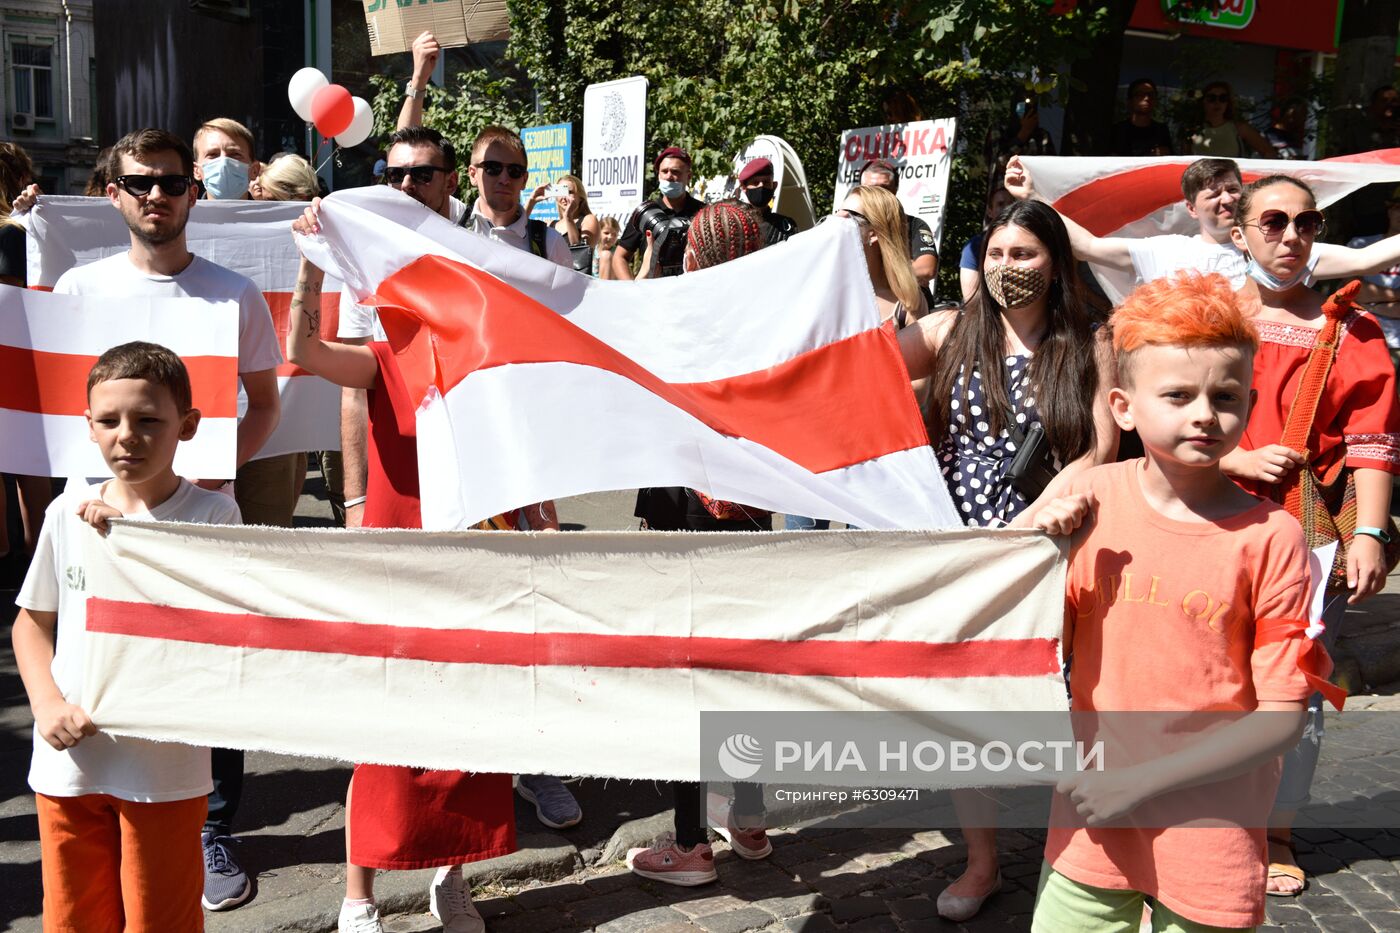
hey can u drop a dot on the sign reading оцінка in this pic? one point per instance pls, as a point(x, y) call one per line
point(549, 150)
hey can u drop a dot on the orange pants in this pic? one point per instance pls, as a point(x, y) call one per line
point(112, 865)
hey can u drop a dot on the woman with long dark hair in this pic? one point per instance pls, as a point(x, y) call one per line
point(1018, 407)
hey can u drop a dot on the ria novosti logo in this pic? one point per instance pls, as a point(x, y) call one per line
point(740, 756)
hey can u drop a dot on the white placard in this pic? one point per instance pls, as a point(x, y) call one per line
point(614, 145)
point(921, 151)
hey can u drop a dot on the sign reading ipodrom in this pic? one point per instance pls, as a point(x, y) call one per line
point(614, 144)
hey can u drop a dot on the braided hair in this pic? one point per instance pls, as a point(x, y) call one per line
point(723, 231)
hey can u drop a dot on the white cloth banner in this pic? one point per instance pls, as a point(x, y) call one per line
point(49, 342)
point(615, 163)
point(253, 238)
point(590, 653)
point(742, 380)
point(921, 151)
point(1141, 197)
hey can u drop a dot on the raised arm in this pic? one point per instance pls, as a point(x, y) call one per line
point(1340, 262)
point(425, 57)
point(1106, 251)
point(346, 365)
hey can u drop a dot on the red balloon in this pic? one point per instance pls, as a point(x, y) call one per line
point(332, 110)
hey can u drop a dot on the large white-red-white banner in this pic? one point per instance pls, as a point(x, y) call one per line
point(253, 238)
point(767, 380)
point(1141, 197)
point(589, 653)
point(49, 342)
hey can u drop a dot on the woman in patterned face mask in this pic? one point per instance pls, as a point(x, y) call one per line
point(1018, 370)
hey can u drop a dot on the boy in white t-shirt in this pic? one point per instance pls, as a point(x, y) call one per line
point(119, 817)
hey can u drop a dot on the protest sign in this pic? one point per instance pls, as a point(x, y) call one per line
point(614, 145)
point(549, 151)
point(922, 152)
point(393, 24)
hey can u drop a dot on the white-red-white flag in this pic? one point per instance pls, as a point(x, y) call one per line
point(49, 342)
point(588, 653)
point(1141, 197)
point(252, 238)
point(767, 380)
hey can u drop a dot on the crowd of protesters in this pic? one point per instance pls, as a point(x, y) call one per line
point(1164, 432)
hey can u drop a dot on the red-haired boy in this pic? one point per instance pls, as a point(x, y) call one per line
point(1184, 594)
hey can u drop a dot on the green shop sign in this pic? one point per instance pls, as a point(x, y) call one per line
point(1227, 14)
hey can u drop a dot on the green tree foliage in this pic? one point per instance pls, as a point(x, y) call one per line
point(722, 72)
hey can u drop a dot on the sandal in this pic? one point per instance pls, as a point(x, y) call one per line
point(1286, 869)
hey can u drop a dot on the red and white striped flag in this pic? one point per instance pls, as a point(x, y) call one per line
point(589, 653)
point(1141, 197)
point(253, 238)
point(767, 380)
point(49, 342)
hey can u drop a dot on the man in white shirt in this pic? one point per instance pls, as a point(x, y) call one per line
point(1211, 188)
point(153, 188)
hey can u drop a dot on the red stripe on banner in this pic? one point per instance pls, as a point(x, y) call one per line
point(280, 304)
point(56, 383)
point(1112, 202)
point(1021, 657)
point(1374, 157)
point(857, 389)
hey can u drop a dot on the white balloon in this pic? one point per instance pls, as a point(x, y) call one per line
point(303, 86)
point(360, 125)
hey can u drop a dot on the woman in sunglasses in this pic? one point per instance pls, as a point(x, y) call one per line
point(885, 237)
point(1221, 133)
point(1356, 428)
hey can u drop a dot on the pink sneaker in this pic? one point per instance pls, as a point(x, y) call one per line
point(672, 864)
point(747, 843)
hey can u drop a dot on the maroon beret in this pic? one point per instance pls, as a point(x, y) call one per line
point(755, 167)
point(670, 152)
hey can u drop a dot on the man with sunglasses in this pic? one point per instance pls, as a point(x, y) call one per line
point(1211, 188)
point(498, 170)
point(153, 188)
point(665, 220)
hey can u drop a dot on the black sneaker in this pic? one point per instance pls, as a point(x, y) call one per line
point(226, 884)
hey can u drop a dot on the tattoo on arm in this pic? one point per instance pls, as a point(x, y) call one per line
point(306, 298)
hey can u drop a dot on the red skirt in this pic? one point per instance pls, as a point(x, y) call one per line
point(414, 818)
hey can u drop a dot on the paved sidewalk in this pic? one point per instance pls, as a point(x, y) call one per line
point(818, 878)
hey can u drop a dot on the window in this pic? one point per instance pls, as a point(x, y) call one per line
point(32, 66)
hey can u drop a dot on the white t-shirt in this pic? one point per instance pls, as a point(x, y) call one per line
point(356, 320)
point(1157, 257)
point(258, 346)
point(127, 768)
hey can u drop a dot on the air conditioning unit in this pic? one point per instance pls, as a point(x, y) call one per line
point(22, 121)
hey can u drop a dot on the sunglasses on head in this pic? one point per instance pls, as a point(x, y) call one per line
point(1217, 98)
point(138, 186)
point(854, 215)
point(1273, 223)
point(493, 168)
point(421, 174)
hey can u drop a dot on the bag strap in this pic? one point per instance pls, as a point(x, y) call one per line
point(1300, 417)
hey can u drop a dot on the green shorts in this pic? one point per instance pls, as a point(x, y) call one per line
point(1065, 906)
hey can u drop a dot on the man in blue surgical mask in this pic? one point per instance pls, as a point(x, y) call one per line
point(663, 219)
point(223, 159)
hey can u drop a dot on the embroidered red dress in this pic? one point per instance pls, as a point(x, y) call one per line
point(412, 817)
point(1357, 416)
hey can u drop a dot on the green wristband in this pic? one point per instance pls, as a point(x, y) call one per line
point(1380, 534)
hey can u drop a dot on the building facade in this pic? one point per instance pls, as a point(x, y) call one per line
point(47, 88)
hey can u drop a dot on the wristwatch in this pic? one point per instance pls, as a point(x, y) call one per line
point(1380, 534)
point(412, 92)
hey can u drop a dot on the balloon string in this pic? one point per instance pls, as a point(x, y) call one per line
point(327, 159)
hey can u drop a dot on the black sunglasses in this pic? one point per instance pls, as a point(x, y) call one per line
point(493, 168)
point(1273, 223)
point(421, 174)
point(1217, 98)
point(138, 186)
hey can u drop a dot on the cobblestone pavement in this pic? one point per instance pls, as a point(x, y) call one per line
point(817, 879)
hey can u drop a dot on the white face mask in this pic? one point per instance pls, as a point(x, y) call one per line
point(225, 178)
point(1272, 282)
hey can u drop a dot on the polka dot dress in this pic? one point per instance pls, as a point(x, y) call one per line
point(973, 460)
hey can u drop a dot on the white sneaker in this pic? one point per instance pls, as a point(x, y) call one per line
point(450, 900)
point(359, 918)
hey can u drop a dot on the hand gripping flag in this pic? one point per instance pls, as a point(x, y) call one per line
point(252, 238)
point(49, 342)
point(1141, 197)
point(767, 380)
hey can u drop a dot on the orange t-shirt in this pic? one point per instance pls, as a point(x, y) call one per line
point(1161, 616)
